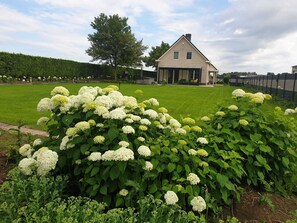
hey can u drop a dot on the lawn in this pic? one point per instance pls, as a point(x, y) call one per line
point(18, 102)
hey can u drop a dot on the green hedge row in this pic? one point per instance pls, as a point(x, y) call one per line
point(19, 65)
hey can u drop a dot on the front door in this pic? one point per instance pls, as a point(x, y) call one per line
point(176, 76)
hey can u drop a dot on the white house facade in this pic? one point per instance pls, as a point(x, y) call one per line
point(184, 63)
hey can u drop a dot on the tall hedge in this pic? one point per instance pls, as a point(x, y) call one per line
point(19, 65)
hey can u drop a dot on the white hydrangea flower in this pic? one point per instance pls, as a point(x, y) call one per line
point(26, 150)
point(82, 126)
point(27, 165)
point(65, 143)
point(60, 90)
point(101, 110)
point(128, 129)
point(104, 101)
point(205, 118)
point(198, 204)
point(124, 154)
point(171, 198)
point(37, 142)
point(42, 121)
point(123, 144)
point(202, 140)
point(135, 118)
point(233, 107)
point(46, 161)
point(90, 90)
point(141, 139)
point(289, 111)
point(99, 139)
point(238, 93)
point(130, 102)
point(192, 152)
point(129, 120)
point(124, 192)
point(193, 178)
point(121, 154)
point(86, 98)
point(95, 156)
point(153, 102)
point(117, 98)
point(163, 119)
point(151, 113)
point(43, 105)
point(144, 151)
point(145, 121)
point(148, 166)
point(117, 113)
point(174, 123)
point(181, 131)
point(72, 132)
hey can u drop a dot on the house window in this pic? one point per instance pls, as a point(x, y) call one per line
point(189, 55)
point(175, 55)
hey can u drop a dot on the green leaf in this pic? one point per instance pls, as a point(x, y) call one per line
point(122, 166)
point(91, 181)
point(67, 120)
point(171, 167)
point(179, 168)
point(260, 175)
point(255, 137)
point(114, 173)
point(88, 168)
point(152, 188)
point(113, 133)
point(166, 142)
point(84, 148)
point(103, 190)
point(94, 171)
point(261, 160)
point(119, 201)
point(222, 179)
point(187, 168)
point(189, 189)
point(265, 149)
point(285, 162)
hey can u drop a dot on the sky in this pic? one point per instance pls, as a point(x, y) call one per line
point(235, 35)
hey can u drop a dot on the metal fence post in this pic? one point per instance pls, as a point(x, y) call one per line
point(284, 90)
point(294, 84)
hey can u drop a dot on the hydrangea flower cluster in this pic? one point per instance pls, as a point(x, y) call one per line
point(171, 198)
point(42, 161)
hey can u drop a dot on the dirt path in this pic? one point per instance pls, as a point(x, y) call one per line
point(7, 127)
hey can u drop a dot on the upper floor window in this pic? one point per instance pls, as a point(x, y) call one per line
point(175, 55)
point(189, 55)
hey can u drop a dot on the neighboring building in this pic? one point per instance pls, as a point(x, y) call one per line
point(294, 69)
point(184, 63)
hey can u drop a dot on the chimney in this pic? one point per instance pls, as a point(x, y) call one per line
point(188, 36)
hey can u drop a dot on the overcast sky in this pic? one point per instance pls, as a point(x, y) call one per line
point(235, 35)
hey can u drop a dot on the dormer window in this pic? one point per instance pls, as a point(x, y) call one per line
point(175, 55)
point(189, 55)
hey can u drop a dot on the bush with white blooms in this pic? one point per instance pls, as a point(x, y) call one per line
point(116, 149)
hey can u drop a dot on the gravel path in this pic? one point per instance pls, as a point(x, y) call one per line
point(6, 127)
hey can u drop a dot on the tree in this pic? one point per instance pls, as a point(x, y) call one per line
point(113, 42)
point(155, 54)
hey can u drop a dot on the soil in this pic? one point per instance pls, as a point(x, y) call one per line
point(256, 207)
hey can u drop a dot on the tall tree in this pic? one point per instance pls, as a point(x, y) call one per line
point(156, 53)
point(113, 42)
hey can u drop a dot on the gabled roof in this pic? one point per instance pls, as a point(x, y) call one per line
point(183, 37)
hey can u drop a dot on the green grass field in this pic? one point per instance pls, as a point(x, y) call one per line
point(18, 102)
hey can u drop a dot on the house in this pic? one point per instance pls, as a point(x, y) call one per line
point(294, 69)
point(184, 63)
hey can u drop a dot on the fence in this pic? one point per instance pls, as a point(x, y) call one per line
point(281, 85)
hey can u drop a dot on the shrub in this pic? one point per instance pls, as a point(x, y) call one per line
point(21, 196)
point(82, 209)
point(264, 142)
point(106, 143)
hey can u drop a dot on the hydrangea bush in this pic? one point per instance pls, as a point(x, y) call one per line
point(117, 150)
